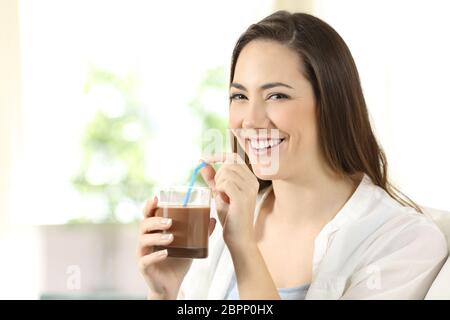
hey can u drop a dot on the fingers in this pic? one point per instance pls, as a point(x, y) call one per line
point(153, 224)
point(231, 161)
point(229, 187)
point(224, 158)
point(228, 173)
point(208, 173)
point(241, 169)
point(150, 207)
point(212, 225)
point(152, 258)
point(152, 227)
point(155, 239)
point(222, 200)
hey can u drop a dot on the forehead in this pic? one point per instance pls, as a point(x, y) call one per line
point(262, 61)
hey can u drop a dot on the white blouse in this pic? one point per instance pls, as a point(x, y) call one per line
point(374, 248)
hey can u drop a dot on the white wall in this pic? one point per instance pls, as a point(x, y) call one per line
point(9, 96)
point(19, 249)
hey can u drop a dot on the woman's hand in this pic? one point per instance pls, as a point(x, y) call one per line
point(235, 189)
point(162, 274)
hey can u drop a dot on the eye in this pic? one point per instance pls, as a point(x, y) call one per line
point(278, 96)
point(237, 96)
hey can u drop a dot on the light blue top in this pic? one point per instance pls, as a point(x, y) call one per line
point(292, 293)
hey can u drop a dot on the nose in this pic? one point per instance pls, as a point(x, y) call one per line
point(255, 116)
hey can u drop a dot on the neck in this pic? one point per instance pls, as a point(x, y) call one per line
point(312, 199)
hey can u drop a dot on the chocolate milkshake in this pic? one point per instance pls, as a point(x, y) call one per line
point(189, 209)
point(189, 229)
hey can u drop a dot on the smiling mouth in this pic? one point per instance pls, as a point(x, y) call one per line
point(263, 146)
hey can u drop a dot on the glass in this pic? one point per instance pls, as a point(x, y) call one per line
point(190, 223)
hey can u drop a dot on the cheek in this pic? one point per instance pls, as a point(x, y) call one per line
point(235, 118)
point(299, 122)
point(287, 118)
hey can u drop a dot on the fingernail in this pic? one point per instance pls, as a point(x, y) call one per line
point(166, 236)
point(155, 198)
point(162, 252)
point(166, 221)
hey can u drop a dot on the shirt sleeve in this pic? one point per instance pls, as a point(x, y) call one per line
point(404, 267)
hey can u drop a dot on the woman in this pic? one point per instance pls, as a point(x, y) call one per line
point(326, 224)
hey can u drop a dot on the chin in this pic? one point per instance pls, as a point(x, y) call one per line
point(266, 173)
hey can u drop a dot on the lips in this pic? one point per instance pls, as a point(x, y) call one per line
point(263, 146)
point(260, 144)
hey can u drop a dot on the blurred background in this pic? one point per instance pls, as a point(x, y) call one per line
point(101, 101)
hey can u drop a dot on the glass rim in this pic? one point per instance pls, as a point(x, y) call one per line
point(175, 196)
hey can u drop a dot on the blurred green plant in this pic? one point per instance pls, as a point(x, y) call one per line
point(113, 146)
point(213, 83)
point(114, 143)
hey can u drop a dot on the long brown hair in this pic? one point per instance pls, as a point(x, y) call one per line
point(346, 138)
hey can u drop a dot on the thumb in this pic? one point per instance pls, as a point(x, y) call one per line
point(212, 225)
point(208, 173)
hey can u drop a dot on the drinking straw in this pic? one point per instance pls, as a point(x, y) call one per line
point(194, 175)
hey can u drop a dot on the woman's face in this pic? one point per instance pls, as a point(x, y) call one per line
point(268, 91)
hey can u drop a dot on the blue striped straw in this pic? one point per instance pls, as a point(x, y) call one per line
point(194, 175)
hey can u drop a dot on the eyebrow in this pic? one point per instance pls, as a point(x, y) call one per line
point(263, 87)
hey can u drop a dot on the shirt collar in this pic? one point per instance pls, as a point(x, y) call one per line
point(354, 208)
point(350, 210)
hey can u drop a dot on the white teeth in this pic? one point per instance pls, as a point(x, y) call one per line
point(273, 143)
point(263, 144)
